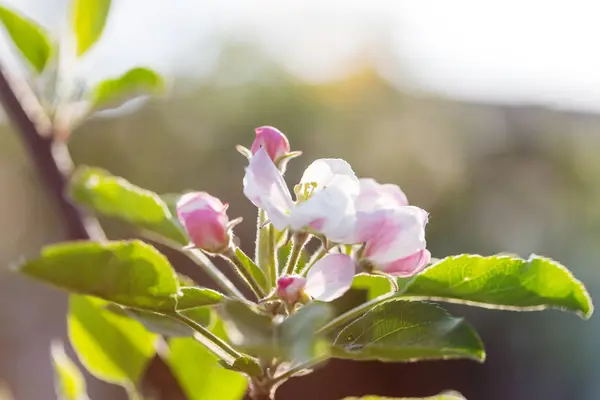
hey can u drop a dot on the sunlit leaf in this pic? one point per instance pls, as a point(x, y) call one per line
point(30, 38)
point(89, 19)
point(503, 282)
point(408, 331)
point(297, 333)
point(131, 273)
point(252, 268)
point(69, 381)
point(199, 373)
point(116, 197)
point(284, 253)
point(441, 396)
point(165, 325)
point(293, 339)
point(112, 347)
point(250, 330)
point(375, 285)
point(136, 82)
point(192, 297)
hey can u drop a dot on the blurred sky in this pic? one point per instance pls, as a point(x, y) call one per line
point(509, 51)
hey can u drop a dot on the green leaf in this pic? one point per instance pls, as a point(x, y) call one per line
point(89, 18)
point(375, 285)
point(284, 253)
point(441, 396)
point(252, 268)
point(294, 340)
point(69, 381)
point(116, 197)
point(503, 282)
point(408, 331)
point(250, 330)
point(136, 82)
point(298, 339)
point(192, 297)
point(131, 273)
point(199, 373)
point(30, 38)
point(112, 347)
point(244, 365)
point(164, 325)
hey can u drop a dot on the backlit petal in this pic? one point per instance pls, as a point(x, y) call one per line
point(265, 188)
point(330, 277)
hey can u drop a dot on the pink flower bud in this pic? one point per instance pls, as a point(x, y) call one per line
point(272, 140)
point(290, 288)
point(205, 219)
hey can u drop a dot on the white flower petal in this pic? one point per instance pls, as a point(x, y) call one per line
point(331, 171)
point(375, 196)
point(265, 188)
point(330, 211)
point(330, 277)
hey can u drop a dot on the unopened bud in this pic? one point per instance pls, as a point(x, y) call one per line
point(205, 219)
point(273, 141)
point(290, 288)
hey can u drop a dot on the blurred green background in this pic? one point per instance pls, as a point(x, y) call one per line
point(512, 176)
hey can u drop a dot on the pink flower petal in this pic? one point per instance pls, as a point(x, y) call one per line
point(375, 196)
point(272, 140)
point(265, 188)
point(391, 234)
point(408, 266)
point(330, 277)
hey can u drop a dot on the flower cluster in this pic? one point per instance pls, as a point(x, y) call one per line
point(365, 226)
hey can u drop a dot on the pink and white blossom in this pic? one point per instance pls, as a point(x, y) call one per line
point(205, 219)
point(328, 279)
point(408, 266)
point(271, 139)
point(326, 196)
point(375, 196)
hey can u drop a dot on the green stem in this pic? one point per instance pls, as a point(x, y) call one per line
point(262, 244)
point(298, 242)
point(224, 348)
point(240, 268)
point(272, 273)
point(354, 313)
point(200, 259)
point(316, 256)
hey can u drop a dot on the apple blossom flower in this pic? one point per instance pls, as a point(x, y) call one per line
point(272, 140)
point(407, 266)
point(205, 220)
point(325, 196)
point(328, 279)
point(374, 195)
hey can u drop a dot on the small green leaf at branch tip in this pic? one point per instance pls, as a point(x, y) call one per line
point(407, 331)
point(502, 282)
point(116, 197)
point(192, 297)
point(245, 365)
point(136, 82)
point(30, 38)
point(130, 273)
point(252, 269)
point(113, 348)
point(441, 396)
point(89, 19)
point(69, 381)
